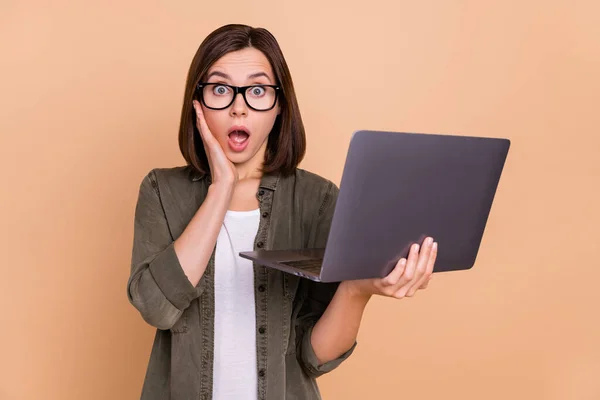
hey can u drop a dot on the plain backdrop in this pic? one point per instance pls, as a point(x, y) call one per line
point(90, 97)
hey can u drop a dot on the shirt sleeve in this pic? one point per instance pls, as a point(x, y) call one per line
point(317, 296)
point(157, 287)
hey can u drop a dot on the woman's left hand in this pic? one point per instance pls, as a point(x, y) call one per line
point(406, 278)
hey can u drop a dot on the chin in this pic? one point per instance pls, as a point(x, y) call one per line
point(239, 158)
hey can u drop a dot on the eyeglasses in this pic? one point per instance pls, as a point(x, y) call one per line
point(219, 96)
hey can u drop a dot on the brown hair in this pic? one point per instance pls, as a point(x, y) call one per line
point(286, 144)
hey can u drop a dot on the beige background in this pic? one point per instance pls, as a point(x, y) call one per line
point(90, 101)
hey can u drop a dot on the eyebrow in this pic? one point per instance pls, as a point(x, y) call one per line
point(225, 76)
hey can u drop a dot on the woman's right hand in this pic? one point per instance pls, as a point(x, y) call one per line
point(221, 169)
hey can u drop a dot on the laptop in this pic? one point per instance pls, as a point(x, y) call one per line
point(397, 188)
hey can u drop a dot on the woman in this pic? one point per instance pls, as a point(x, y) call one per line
point(228, 329)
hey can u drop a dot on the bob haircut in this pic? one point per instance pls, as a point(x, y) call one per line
point(286, 143)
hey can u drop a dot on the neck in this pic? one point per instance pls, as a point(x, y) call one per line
point(251, 169)
point(248, 172)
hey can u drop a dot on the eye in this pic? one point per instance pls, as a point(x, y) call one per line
point(257, 91)
point(220, 90)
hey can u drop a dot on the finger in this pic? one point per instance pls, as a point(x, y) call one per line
point(392, 278)
point(431, 265)
point(205, 132)
point(210, 143)
point(419, 268)
point(200, 121)
point(409, 271)
point(422, 266)
point(424, 281)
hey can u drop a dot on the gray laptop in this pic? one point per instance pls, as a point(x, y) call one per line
point(397, 189)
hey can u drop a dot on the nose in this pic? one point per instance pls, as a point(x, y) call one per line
point(239, 106)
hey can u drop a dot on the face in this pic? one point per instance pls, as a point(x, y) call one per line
point(241, 131)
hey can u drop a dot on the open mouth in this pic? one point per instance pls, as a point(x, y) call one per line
point(239, 136)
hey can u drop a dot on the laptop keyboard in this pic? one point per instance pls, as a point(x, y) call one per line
point(313, 266)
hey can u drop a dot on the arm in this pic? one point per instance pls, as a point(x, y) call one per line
point(323, 307)
point(165, 275)
point(335, 332)
point(334, 311)
point(195, 245)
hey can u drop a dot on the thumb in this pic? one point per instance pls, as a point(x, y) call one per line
point(205, 132)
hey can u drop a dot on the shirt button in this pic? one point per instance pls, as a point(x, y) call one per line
point(261, 288)
point(260, 245)
point(265, 214)
point(261, 192)
point(261, 372)
point(262, 330)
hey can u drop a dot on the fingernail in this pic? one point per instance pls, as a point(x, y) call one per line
point(429, 240)
point(402, 261)
point(417, 247)
point(435, 245)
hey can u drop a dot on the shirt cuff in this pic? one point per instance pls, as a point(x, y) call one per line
point(309, 358)
point(170, 278)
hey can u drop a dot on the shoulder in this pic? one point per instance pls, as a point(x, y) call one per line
point(175, 181)
point(311, 182)
point(168, 177)
point(313, 188)
point(305, 177)
point(179, 174)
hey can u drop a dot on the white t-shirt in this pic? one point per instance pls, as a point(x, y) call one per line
point(234, 374)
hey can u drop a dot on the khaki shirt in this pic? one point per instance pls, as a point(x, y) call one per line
point(296, 212)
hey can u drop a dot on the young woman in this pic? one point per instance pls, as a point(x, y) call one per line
point(228, 329)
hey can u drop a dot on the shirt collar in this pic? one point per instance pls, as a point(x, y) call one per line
point(268, 181)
